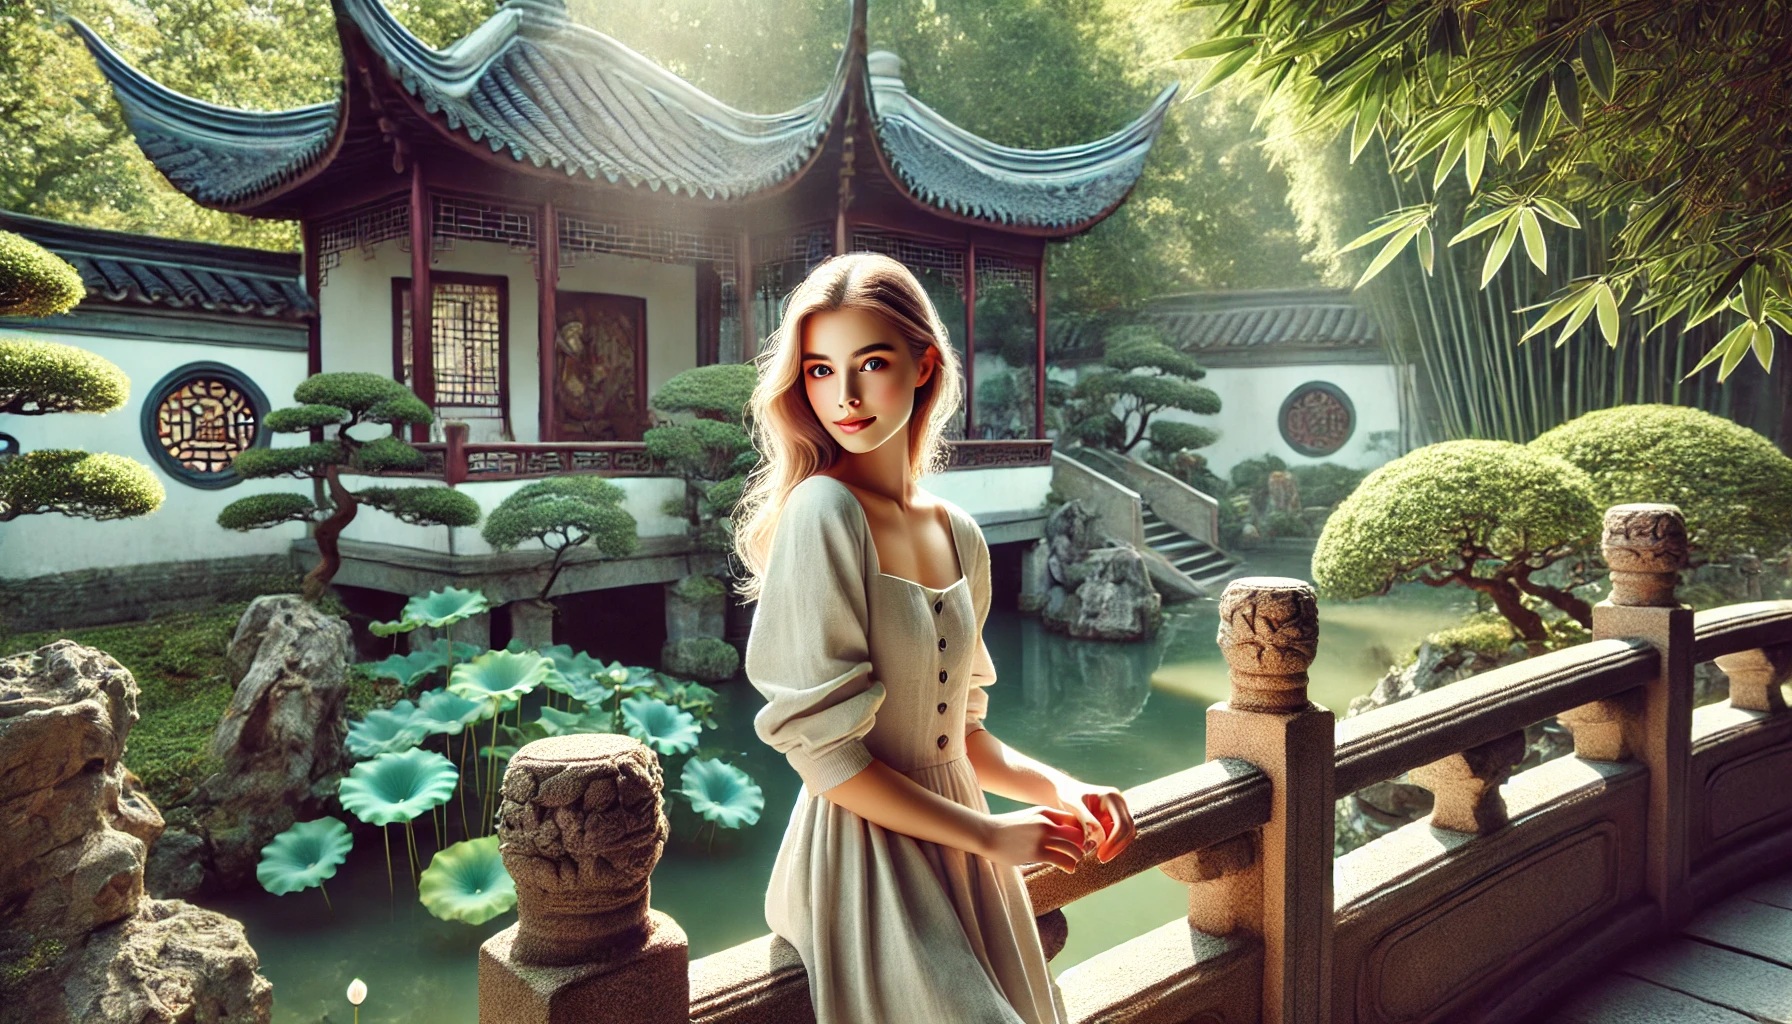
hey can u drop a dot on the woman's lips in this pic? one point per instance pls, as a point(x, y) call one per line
point(855, 427)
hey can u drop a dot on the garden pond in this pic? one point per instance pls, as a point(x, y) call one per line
point(1118, 714)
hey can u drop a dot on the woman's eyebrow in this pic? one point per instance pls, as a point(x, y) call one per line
point(876, 346)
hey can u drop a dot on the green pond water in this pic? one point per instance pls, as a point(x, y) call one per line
point(1108, 713)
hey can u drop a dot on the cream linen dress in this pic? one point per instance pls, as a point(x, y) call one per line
point(855, 664)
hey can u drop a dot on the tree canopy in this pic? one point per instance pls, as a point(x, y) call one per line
point(1668, 117)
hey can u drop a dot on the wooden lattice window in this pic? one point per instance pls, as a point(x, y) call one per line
point(1317, 418)
point(469, 341)
point(199, 418)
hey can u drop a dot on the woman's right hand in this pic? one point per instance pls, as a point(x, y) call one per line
point(1035, 834)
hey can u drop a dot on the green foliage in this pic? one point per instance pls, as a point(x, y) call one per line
point(467, 882)
point(1453, 509)
point(41, 957)
point(297, 460)
point(1139, 376)
point(395, 787)
point(721, 792)
point(1325, 484)
point(259, 510)
point(92, 485)
point(437, 609)
point(423, 506)
point(1732, 484)
point(360, 393)
point(35, 281)
point(668, 730)
point(296, 419)
point(572, 510)
point(1537, 100)
point(384, 454)
point(303, 856)
point(716, 392)
point(697, 587)
point(39, 377)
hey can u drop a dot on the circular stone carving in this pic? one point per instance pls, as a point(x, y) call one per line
point(1317, 418)
point(199, 418)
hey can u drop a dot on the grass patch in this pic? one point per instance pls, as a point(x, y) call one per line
point(178, 662)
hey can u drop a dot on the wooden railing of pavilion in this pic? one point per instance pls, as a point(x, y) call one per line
point(1502, 900)
point(456, 460)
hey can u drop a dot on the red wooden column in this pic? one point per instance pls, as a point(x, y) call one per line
point(970, 338)
point(423, 367)
point(1039, 345)
point(743, 291)
point(547, 279)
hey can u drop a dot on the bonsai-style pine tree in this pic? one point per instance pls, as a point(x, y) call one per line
point(342, 400)
point(1145, 376)
point(41, 377)
point(713, 453)
point(563, 513)
point(1732, 484)
point(1487, 515)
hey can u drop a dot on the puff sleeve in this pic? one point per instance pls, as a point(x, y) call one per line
point(983, 668)
point(807, 652)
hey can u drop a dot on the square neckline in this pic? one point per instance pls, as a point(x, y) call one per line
point(877, 563)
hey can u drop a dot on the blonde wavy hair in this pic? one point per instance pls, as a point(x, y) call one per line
point(793, 443)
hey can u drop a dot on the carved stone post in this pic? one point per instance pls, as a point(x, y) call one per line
point(1467, 785)
point(1269, 633)
point(1756, 677)
point(580, 829)
point(1645, 546)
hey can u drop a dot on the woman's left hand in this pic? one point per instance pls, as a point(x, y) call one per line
point(1107, 807)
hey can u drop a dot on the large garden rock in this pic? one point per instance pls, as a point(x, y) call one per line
point(78, 940)
point(281, 742)
point(1097, 590)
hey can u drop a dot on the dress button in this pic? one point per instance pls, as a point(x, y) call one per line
point(942, 709)
point(942, 742)
point(942, 643)
point(942, 675)
point(937, 605)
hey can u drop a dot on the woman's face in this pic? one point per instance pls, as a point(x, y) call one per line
point(856, 368)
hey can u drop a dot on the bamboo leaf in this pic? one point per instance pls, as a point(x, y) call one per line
point(1476, 152)
point(1561, 308)
point(1366, 116)
point(1396, 221)
point(1718, 350)
point(1216, 47)
point(1567, 93)
point(1502, 244)
point(1533, 238)
point(1555, 211)
point(1530, 118)
point(1389, 251)
point(1223, 69)
point(1764, 346)
point(1583, 308)
point(1754, 293)
point(1725, 285)
point(1500, 125)
point(1452, 153)
point(1349, 19)
point(1781, 317)
point(1608, 313)
point(1485, 223)
point(1426, 254)
point(1596, 57)
point(1744, 334)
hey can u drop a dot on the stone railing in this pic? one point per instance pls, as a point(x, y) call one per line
point(1515, 888)
point(456, 460)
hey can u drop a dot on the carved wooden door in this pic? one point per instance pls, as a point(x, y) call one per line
point(600, 367)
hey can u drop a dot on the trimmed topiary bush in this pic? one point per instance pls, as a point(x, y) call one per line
point(342, 400)
point(1486, 515)
point(1733, 485)
point(563, 513)
point(34, 281)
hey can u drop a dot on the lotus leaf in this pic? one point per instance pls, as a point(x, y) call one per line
point(398, 787)
point(303, 855)
point(406, 668)
point(441, 712)
point(387, 730)
point(564, 723)
point(467, 882)
point(436, 609)
point(660, 725)
point(721, 792)
point(499, 676)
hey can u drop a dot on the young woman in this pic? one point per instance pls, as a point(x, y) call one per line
point(899, 889)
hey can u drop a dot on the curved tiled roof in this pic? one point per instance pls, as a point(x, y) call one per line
point(219, 156)
point(558, 94)
point(1261, 319)
point(530, 83)
point(945, 166)
point(122, 269)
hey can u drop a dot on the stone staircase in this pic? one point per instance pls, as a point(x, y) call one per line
point(1208, 566)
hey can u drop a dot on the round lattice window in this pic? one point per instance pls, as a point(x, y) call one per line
point(1317, 418)
point(199, 418)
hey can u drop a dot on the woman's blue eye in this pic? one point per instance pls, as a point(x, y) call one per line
point(868, 362)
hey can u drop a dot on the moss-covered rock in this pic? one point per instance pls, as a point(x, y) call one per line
point(706, 659)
